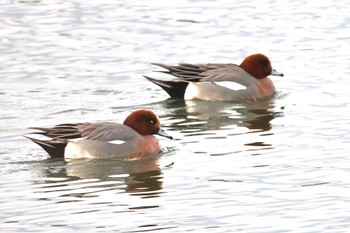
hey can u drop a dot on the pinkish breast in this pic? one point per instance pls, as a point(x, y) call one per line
point(265, 87)
point(147, 146)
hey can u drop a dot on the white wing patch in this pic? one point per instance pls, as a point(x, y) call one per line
point(117, 142)
point(231, 85)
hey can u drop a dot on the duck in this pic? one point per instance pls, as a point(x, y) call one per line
point(212, 81)
point(133, 139)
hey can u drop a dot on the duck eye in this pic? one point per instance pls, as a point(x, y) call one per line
point(264, 62)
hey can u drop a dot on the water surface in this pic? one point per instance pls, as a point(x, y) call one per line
point(280, 165)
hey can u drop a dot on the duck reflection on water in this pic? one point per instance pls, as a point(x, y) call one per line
point(142, 177)
point(201, 116)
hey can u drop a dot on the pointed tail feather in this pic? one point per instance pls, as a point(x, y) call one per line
point(55, 148)
point(62, 131)
point(185, 71)
point(176, 89)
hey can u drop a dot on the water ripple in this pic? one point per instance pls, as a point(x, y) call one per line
point(280, 165)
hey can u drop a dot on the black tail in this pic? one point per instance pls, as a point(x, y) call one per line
point(55, 148)
point(176, 89)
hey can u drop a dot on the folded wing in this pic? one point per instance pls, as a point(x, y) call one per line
point(103, 131)
point(207, 72)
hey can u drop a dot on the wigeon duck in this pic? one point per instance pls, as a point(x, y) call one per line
point(205, 81)
point(130, 140)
